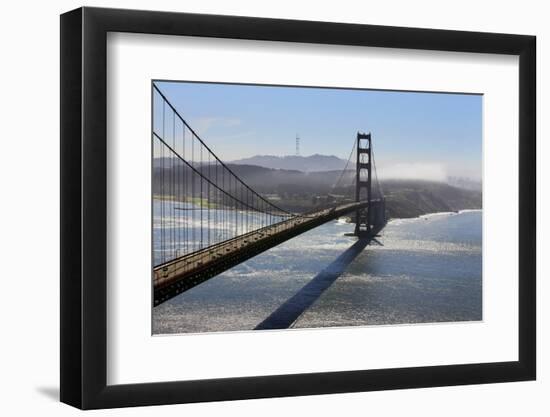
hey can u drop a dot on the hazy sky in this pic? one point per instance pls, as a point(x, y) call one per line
point(415, 135)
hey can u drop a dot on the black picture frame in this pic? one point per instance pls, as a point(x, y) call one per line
point(84, 207)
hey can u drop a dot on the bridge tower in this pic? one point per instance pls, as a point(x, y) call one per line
point(363, 189)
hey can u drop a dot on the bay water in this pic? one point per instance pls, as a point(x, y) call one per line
point(422, 270)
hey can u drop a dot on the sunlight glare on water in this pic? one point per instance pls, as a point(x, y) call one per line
point(426, 269)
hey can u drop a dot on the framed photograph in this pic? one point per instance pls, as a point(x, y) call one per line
point(256, 208)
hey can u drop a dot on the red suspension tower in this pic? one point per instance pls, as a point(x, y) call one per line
point(363, 184)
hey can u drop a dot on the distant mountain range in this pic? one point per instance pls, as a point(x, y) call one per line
point(299, 191)
point(270, 169)
point(312, 163)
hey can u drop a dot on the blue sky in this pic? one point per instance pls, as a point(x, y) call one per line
point(415, 135)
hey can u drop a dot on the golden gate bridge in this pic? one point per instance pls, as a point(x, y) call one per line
point(206, 219)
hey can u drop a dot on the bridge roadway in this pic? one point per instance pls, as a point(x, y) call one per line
point(181, 274)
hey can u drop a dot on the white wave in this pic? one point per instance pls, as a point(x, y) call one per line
point(438, 214)
point(416, 245)
point(399, 221)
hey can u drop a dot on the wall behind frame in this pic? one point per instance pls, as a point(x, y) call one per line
point(30, 213)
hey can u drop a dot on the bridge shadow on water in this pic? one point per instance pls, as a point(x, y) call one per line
point(292, 309)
